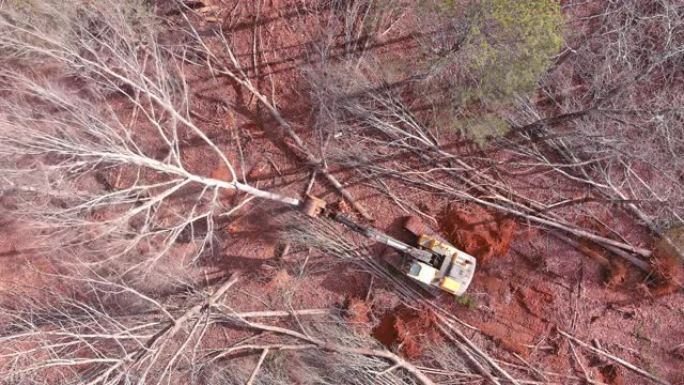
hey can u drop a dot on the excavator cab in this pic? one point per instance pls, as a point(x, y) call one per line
point(431, 262)
point(423, 272)
point(452, 273)
point(450, 269)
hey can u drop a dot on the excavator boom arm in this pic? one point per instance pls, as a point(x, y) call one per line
point(421, 255)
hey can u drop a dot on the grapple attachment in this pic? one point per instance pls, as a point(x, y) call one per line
point(313, 206)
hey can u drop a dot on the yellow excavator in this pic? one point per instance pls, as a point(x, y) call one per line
point(432, 263)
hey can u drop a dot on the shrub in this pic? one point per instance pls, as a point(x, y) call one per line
point(510, 45)
point(485, 53)
point(482, 127)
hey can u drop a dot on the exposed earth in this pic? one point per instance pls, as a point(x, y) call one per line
point(531, 290)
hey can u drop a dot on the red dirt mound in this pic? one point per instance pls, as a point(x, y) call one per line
point(667, 265)
point(279, 281)
point(356, 311)
point(222, 172)
point(616, 274)
point(477, 231)
point(611, 374)
point(615, 270)
point(407, 330)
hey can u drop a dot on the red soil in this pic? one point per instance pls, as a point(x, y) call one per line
point(357, 311)
point(477, 231)
point(407, 330)
point(667, 264)
point(531, 284)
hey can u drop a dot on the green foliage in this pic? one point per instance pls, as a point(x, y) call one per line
point(485, 53)
point(509, 45)
point(467, 301)
point(482, 127)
